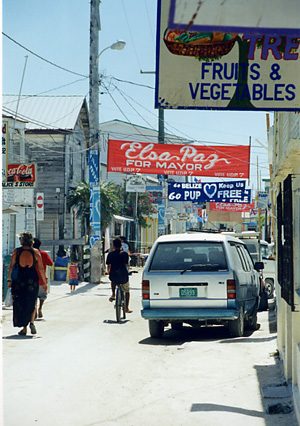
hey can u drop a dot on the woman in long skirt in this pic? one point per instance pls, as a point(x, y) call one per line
point(25, 286)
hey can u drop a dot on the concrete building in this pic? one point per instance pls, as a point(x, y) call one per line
point(286, 194)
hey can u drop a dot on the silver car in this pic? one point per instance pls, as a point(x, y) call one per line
point(200, 279)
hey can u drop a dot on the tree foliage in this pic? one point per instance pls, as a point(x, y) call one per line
point(79, 198)
point(136, 204)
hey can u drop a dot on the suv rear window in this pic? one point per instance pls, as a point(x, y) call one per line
point(185, 255)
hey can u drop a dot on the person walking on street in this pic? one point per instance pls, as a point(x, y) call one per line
point(117, 270)
point(24, 282)
point(42, 294)
point(125, 245)
point(73, 274)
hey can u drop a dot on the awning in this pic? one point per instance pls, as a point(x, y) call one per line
point(8, 208)
point(122, 219)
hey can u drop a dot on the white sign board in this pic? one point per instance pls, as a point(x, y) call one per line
point(232, 71)
point(135, 184)
point(39, 206)
point(4, 149)
point(274, 17)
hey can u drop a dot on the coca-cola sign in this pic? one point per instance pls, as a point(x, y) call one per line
point(20, 176)
point(180, 160)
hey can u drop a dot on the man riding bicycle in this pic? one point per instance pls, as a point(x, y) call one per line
point(117, 270)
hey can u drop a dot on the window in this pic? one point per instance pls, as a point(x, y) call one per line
point(285, 264)
point(178, 256)
point(70, 163)
point(242, 258)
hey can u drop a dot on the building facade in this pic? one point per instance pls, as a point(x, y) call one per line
point(286, 196)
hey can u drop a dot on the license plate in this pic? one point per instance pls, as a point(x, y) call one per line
point(188, 292)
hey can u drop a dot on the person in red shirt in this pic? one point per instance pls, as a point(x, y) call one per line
point(42, 294)
point(73, 274)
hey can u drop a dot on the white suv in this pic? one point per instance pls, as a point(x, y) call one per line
point(200, 278)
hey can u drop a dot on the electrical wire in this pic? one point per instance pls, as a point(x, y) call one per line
point(131, 36)
point(43, 59)
point(198, 142)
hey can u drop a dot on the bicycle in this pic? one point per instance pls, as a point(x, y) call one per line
point(120, 304)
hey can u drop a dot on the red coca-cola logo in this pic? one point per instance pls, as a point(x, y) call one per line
point(20, 172)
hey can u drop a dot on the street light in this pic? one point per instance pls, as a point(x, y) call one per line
point(118, 45)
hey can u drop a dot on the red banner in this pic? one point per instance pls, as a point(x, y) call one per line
point(20, 176)
point(231, 207)
point(180, 160)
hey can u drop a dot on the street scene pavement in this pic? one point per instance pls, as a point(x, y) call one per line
point(82, 368)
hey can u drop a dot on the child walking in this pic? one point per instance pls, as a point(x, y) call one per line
point(73, 274)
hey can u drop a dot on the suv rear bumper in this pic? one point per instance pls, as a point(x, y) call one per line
point(190, 314)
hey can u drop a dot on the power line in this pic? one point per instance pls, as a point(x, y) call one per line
point(43, 59)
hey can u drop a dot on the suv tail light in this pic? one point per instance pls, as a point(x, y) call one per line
point(145, 289)
point(231, 289)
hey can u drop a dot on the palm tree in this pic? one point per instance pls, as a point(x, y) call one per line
point(79, 198)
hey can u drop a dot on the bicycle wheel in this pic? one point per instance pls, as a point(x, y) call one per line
point(118, 304)
point(124, 304)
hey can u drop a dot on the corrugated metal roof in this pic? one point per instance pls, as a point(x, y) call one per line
point(45, 112)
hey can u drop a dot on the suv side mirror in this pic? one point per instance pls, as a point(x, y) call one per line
point(258, 266)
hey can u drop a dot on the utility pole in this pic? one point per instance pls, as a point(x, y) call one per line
point(94, 153)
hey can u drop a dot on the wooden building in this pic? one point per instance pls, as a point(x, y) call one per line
point(56, 140)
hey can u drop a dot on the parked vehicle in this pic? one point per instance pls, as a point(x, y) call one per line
point(200, 279)
point(260, 251)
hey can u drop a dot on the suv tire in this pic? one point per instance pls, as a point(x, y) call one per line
point(156, 329)
point(176, 325)
point(236, 327)
point(269, 286)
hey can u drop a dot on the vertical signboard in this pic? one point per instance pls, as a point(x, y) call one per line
point(161, 219)
point(4, 149)
point(39, 206)
point(94, 196)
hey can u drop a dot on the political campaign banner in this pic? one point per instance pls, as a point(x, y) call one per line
point(183, 160)
point(231, 207)
point(161, 218)
point(225, 70)
point(225, 192)
point(94, 167)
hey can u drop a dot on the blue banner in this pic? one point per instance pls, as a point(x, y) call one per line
point(95, 209)
point(222, 192)
point(161, 219)
point(94, 167)
point(94, 191)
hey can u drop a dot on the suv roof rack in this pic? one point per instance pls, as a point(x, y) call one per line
point(208, 231)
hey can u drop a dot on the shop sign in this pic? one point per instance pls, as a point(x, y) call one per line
point(231, 69)
point(254, 17)
point(20, 176)
point(135, 184)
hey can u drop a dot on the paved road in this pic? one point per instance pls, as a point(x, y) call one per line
point(84, 369)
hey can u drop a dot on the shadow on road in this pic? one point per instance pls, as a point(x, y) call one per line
point(226, 408)
point(191, 334)
point(115, 322)
point(17, 337)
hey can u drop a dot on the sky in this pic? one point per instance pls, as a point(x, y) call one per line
point(58, 32)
